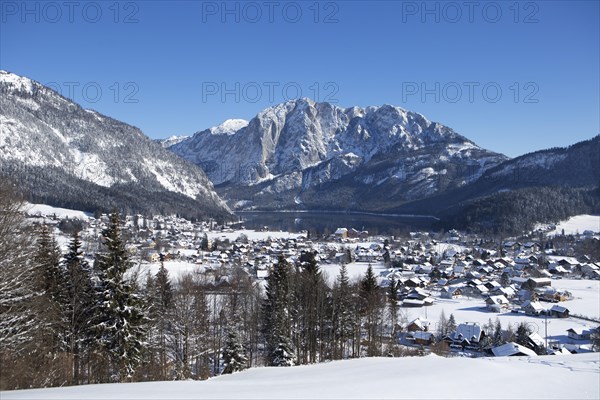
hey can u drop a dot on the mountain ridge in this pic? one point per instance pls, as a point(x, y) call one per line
point(289, 150)
point(66, 155)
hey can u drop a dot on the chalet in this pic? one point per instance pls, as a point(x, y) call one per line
point(532, 307)
point(422, 338)
point(579, 333)
point(508, 292)
point(451, 292)
point(466, 335)
point(531, 246)
point(538, 282)
point(535, 341)
point(341, 233)
point(413, 282)
point(481, 289)
point(591, 271)
point(153, 256)
point(568, 262)
point(511, 245)
point(512, 349)
point(413, 303)
point(497, 303)
point(557, 269)
point(417, 293)
point(474, 282)
point(559, 311)
point(492, 285)
point(353, 233)
point(418, 325)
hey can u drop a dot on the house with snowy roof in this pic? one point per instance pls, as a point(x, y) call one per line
point(559, 311)
point(497, 303)
point(532, 307)
point(418, 324)
point(451, 292)
point(579, 333)
point(467, 334)
point(512, 349)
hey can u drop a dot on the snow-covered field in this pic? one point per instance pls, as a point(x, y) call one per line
point(431, 377)
point(356, 270)
point(578, 224)
point(586, 296)
point(43, 210)
point(586, 302)
point(252, 235)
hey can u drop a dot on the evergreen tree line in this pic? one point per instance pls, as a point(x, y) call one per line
point(518, 211)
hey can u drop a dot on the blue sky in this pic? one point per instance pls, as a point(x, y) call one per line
point(513, 77)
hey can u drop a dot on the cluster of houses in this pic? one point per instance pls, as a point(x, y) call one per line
point(516, 277)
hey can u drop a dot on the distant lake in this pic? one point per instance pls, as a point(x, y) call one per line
point(327, 222)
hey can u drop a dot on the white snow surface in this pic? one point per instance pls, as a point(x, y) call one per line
point(430, 377)
point(578, 224)
point(43, 210)
point(229, 127)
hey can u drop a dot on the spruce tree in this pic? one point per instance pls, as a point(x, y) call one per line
point(497, 338)
point(371, 308)
point(522, 335)
point(52, 281)
point(392, 296)
point(276, 326)
point(451, 327)
point(121, 320)
point(80, 303)
point(309, 300)
point(234, 356)
point(343, 319)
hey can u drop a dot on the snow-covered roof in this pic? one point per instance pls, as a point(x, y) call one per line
point(511, 349)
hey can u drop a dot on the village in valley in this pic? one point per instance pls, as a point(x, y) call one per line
point(457, 294)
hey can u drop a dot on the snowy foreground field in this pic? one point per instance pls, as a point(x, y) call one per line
point(431, 377)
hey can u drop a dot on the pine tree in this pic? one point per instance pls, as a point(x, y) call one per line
point(276, 326)
point(121, 319)
point(234, 356)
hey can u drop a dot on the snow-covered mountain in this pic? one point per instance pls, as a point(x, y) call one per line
point(303, 154)
point(69, 156)
point(171, 140)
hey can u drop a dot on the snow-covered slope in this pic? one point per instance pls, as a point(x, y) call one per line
point(576, 165)
point(431, 377)
point(171, 141)
point(66, 155)
point(294, 148)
